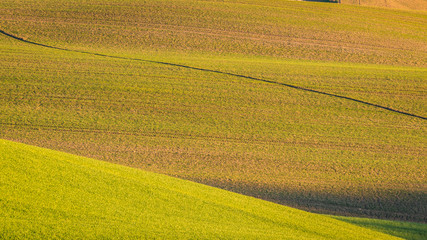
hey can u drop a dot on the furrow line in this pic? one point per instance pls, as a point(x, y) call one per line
point(225, 139)
point(144, 134)
point(223, 73)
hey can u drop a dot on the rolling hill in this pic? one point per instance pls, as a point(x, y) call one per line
point(315, 106)
point(50, 194)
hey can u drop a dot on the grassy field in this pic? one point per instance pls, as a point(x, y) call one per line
point(285, 145)
point(50, 194)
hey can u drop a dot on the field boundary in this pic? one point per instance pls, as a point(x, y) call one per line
point(220, 72)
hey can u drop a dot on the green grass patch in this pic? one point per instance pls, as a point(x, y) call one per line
point(49, 194)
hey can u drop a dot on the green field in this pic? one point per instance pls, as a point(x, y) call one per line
point(270, 141)
point(54, 195)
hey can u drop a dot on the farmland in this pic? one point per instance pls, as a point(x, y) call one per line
point(49, 194)
point(303, 149)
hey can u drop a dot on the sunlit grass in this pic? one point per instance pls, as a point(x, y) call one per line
point(49, 194)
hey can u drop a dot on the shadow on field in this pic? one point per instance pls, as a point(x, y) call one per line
point(385, 204)
point(219, 72)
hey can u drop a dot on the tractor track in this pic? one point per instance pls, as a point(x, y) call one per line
point(133, 133)
point(220, 72)
point(328, 144)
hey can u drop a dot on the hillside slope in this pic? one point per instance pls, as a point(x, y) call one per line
point(323, 131)
point(49, 194)
point(285, 29)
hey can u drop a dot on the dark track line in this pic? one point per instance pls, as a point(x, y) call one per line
point(219, 72)
point(145, 134)
point(177, 135)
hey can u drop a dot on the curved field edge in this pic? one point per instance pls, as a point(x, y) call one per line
point(121, 111)
point(50, 194)
point(317, 152)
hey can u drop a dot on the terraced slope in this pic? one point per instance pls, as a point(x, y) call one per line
point(261, 138)
point(49, 194)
